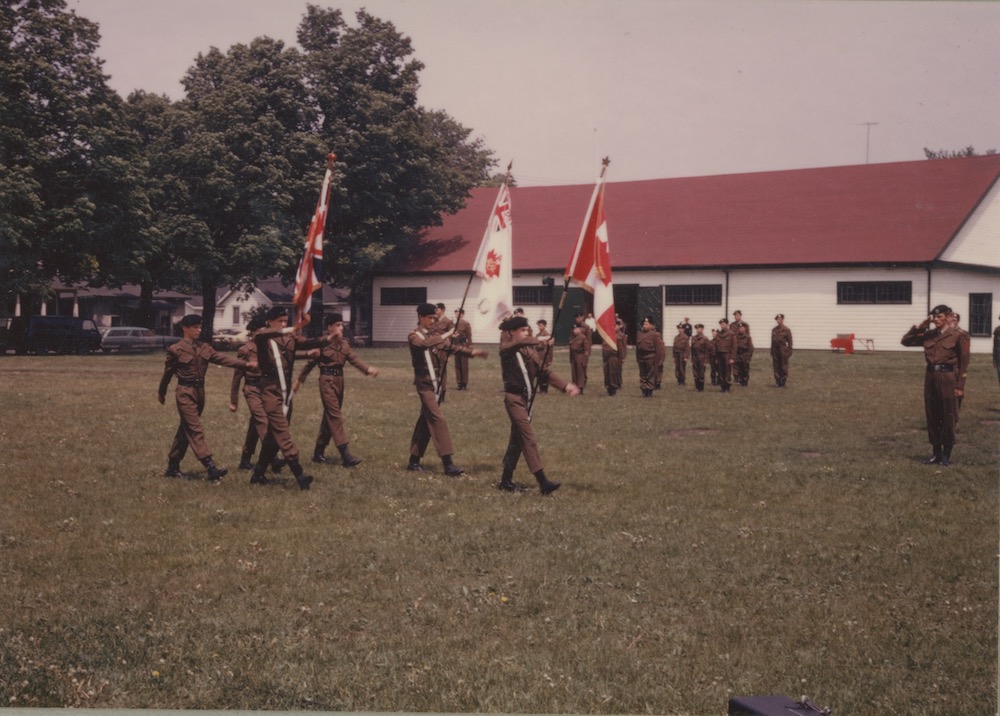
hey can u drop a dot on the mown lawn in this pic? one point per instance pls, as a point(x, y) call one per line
point(702, 546)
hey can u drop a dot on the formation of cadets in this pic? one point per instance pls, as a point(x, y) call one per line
point(265, 368)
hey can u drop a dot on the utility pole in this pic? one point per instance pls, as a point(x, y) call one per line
point(868, 134)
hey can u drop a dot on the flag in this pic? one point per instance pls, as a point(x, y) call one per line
point(590, 265)
point(493, 263)
point(310, 272)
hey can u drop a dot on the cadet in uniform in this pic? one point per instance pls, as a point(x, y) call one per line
point(996, 350)
point(276, 378)
point(947, 359)
point(725, 352)
point(544, 349)
point(649, 351)
point(681, 352)
point(781, 350)
point(442, 325)
point(737, 322)
point(744, 352)
point(463, 337)
point(712, 364)
point(612, 356)
point(331, 361)
point(425, 345)
point(580, 344)
point(188, 360)
point(700, 346)
point(250, 377)
point(521, 364)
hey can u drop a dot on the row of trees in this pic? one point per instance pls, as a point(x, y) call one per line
point(217, 188)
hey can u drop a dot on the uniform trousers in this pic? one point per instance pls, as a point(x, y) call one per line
point(647, 372)
point(257, 427)
point(461, 369)
point(331, 392)
point(613, 372)
point(779, 359)
point(680, 367)
point(191, 431)
point(279, 436)
point(698, 368)
point(941, 407)
point(431, 424)
point(578, 365)
point(724, 369)
point(522, 435)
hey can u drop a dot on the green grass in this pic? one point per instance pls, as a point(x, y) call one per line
point(702, 546)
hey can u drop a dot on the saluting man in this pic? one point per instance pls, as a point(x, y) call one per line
point(947, 356)
point(331, 360)
point(425, 347)
point(188, 359)
point(521, 365)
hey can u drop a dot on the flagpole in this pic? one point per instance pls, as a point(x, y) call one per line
point(576, 254)
point(496, 203)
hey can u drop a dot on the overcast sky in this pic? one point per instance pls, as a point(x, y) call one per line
point(665, 88)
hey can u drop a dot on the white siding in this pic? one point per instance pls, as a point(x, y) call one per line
point(807, 297)
point(978, 242)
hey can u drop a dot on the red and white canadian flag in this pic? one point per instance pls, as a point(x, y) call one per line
point(493, 264)
point(590, 265)
point(310, 272)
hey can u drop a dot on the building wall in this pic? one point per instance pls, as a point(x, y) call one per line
point(807, 297)
point(978, 242)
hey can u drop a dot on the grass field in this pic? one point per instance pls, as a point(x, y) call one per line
point(702, 546)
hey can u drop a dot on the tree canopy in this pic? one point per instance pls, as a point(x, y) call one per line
point(220, 185)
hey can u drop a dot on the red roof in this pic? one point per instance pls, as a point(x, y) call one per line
point(905, 212)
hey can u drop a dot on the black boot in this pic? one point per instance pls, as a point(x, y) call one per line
point(300, 477)
point(257, 478)
point(215, 473)
point(450, 468)
point(414, 464)
point(699, 385)
point(245, 462)
point(173, 469)
point(935, 458)
point(276, 465)
point(945, 460)
point(507, 482)
point(346, 458)
point(544, 484)
point(319, 457)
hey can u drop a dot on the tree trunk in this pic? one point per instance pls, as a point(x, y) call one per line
point(208, 309)
point(144, 313)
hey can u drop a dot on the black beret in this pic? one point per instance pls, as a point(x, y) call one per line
point(334, 318)
point(255, 324)
point(780, 315)
point(440, 305)
point(191, 319)
point(275, 312)
point(941, 308)
point(512, 324)
point(425, 309)
point(699, 325)
point(723, 320)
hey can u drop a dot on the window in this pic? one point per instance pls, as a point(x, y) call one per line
point(236, 315)
point(706, 295)
point(980, 313)
point(532, 295)
point(409, 296)
point(874, 292)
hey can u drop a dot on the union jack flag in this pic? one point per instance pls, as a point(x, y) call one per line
point(309, 276)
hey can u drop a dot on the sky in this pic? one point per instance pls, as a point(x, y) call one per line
point(664, 88)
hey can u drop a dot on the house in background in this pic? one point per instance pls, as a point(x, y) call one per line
point(233, 306)
point(864, 250)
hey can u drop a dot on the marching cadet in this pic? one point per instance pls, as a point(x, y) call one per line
point(442, 324)
point(744, 352)
point(425, 345)
point(277, 346)
point(463, 337)
point(188, 360)
point(331, 360)
point(725, 354)
point(700, 347)
point(250, 377)
point(580, 344)
point(649, 351)
point(520, 365)
point(781, 350)
point(613, 356)
point(947, 358)
point(681, 352)
point(544, 349)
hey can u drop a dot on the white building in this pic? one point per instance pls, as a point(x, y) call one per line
point(864, 250)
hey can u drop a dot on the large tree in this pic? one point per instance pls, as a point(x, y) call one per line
point(70, 183)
